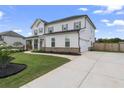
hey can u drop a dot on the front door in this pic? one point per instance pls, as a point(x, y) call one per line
point(28, 44)
point(41, 43)
point(35, 43)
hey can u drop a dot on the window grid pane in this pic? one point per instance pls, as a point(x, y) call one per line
point(50, 29)
point(65, 27)
point(52, 42)
point(77, 25)
point(35, 32)
point(40, 30)
point(67, 42)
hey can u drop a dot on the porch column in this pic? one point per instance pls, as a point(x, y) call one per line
point(25, 45)
point(32, 44)
point(38, 43)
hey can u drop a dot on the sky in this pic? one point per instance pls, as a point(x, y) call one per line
point(109, 20)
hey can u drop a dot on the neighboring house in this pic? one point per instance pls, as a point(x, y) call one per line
point(10, 37)
point(74, 34)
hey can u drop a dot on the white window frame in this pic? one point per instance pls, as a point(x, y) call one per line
point(50, 29)
point(67, 40)
point(65, 27)
point(35, 32)
point(53, 42)
point(77, 24)
point(40, 30)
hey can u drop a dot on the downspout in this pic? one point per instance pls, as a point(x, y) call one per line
point(45, 43)
point(79, 40)
point(44, 40)
point(79, 35)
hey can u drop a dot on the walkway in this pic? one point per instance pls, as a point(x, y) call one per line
point(71, 57)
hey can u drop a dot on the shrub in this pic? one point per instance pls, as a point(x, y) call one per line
point(39, 51)
point(4, 58)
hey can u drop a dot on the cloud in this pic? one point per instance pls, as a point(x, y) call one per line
point(105, 21)
point(116, 23)
point(98, 11)
point(120, 30)
point(109, 9)
point(120, 12)
point(17, 30)
point(83, 9)
point(112, 8)
point(96, 31)
point(29, 34)
point(1, 14)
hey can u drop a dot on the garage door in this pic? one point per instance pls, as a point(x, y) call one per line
point(83, 45)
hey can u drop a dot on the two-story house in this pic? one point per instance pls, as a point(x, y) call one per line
point(10, 37)
point(74, 34)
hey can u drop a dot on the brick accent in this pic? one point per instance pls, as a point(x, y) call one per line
point(61, 50)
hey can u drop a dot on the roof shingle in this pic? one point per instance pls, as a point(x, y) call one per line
point(11, 33)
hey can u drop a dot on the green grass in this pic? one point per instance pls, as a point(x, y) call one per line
point(37, 65)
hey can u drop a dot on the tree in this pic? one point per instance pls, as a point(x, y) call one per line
point(111, 40)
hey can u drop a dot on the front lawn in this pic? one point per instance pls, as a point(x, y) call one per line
point(37, 65)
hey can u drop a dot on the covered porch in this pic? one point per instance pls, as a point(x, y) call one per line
point(35, 43)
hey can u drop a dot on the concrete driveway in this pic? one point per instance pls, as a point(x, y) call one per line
point(91, 69)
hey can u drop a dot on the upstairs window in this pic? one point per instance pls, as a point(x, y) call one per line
point(38, 23)
point(35, 32)
point(65, 27)
point(50, 29)
point(67, 42)
point(40, 30)
point(52, 42)
point(77, 25)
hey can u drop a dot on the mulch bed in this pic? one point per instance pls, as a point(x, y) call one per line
point(11, 69)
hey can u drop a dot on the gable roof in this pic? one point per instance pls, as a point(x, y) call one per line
point(64, 19)
point(11, 33)
point(38, 20)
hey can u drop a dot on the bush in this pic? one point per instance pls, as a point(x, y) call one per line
point(5, 52)
point(38, 51)
point(4, 58)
